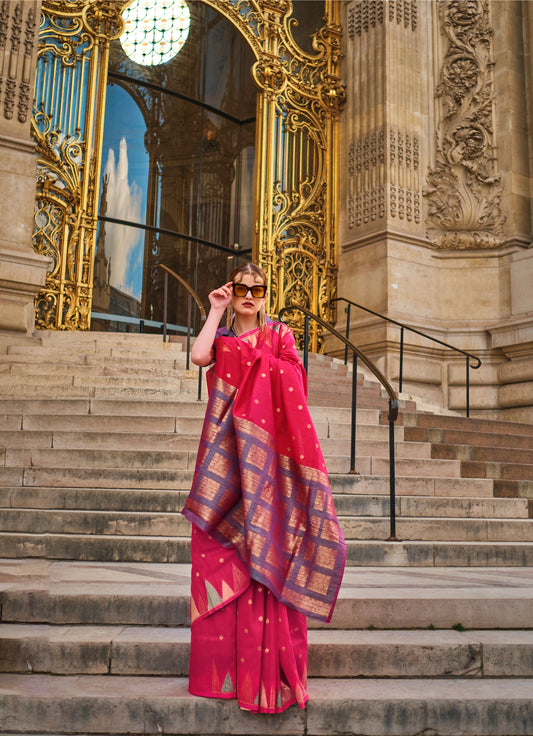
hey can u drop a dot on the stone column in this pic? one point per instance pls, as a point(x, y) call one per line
point(22, 271)
point(386, 127)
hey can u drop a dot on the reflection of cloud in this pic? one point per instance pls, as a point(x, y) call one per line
point(124, 203)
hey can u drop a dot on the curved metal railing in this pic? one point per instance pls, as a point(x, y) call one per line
point(393, 401)
point(403, 327)
point(192, 295)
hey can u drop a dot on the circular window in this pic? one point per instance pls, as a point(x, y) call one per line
point(155, 30)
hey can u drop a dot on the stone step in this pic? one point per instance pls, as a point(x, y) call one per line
point(418, 468)
point(176, 550)
point(79, 364)
point(105, 499)
point(42, 381)
point(183, 424)
point(186, 407)
point(134, 499)
point(112, 407)
point(173, 524)
point(101, 459)
point(111, 593)
point(494, 454)
point(182, 386)
point(468, 437)
point(164, 651)
point(176, 479)
point(138, 705)
point(166, 456)
point(496, 470)
point(105, 438)
point(444, 421)
point(101, 440)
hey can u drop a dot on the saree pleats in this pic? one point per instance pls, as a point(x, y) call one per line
point(248, 646)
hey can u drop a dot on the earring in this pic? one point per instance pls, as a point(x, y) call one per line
point(262, 317)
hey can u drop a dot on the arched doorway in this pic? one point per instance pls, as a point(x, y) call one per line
point(177, 164)
point(295, 160)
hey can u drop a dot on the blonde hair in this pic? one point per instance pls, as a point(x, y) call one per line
point(241, 270)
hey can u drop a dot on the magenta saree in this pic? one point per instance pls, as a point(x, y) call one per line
point(266, 546)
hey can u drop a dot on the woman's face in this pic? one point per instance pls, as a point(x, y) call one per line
point(248, 305)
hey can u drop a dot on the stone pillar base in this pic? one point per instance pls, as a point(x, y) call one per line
point(22, 274)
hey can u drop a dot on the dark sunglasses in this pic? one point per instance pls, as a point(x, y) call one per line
point(258, 290)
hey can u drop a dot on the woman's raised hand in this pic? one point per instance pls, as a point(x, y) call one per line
point(221, 297)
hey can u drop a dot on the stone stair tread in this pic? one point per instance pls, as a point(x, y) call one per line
point(469, 437)
point(134, 499)
point(126, 523)
point(484, 453)
point(148, 650)
point(106, 407)
point(164, 549)
point(114, 704)
point(474, 424)
point(129, 593)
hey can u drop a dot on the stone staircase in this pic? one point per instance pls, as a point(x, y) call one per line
point(98, 435)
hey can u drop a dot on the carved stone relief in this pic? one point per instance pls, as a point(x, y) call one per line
point(384, 180)
point(463, 188)
point(366, 14)
point(16, 58)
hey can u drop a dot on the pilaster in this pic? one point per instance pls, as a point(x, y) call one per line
point(22, 271)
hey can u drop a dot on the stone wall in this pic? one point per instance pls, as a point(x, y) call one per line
point(436, 195)
point(22, 271)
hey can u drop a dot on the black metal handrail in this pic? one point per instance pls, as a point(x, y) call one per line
point(191, 295)
point(393, 401)
point(403, 327)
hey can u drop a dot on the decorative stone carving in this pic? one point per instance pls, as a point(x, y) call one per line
point(463, 188)
point(366, 167)
point(366, 14)
point(16, 59)
point(24, 92)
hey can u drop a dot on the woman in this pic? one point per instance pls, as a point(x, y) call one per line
point(266, 547)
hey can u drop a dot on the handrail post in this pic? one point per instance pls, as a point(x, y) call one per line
point(165, 304)
point(401, 361)
point(392, 477)
point(306, 341)
point(354, 414)
point(347, 310)
point(189, 314)
point(467, 386)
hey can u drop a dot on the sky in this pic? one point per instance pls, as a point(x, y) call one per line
point(126, 164)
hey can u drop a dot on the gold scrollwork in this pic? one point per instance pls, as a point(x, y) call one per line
point(269, 74)
point(72, 66)
point(299, 98)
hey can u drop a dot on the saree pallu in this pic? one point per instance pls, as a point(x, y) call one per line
point(266, 544)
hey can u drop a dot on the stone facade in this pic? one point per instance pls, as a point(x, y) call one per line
point(435, 208)
point(22, 271)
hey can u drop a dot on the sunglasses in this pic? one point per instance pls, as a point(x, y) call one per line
point(258, 291)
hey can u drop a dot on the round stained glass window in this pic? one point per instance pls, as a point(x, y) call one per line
point(155, 30)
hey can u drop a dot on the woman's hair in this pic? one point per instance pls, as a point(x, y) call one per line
point(244, 268)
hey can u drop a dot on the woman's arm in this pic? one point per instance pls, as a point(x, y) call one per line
point(202, 352)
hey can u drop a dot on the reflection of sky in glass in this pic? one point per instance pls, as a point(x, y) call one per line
point(125, 162)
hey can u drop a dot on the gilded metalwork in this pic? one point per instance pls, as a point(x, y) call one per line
point(299, 98)
point(67, 127)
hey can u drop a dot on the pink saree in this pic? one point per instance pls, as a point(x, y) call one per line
point(266, 547)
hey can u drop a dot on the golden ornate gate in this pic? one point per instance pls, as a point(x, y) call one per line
point(299, 97)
